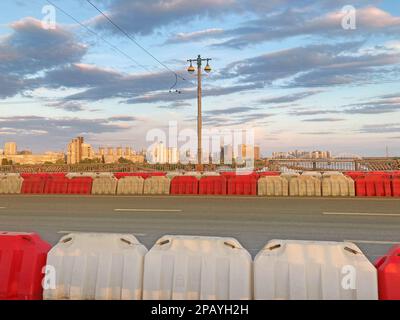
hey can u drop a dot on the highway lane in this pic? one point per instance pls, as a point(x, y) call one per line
point(374, 224)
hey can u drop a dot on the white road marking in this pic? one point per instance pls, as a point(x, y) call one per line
point(373, 242)
point(147, 210)
point(69, 231)
point(361, 214)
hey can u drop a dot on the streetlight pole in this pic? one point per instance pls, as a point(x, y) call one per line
point(191, 69)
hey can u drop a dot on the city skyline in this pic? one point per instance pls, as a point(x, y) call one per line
point(310, 85)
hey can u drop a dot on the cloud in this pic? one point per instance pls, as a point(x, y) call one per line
point(176, 105)
point(195, 36)
point(153, 14)
point(71, 106)
point(230, 111)
point(189, 94)
point(294, 23)
point(122, 119)
point(10, 85)
point(313, 66)
point(31, 48)
point(235, 119)
point(323, 120)
point(383, 104)
point(381, 128)
point(310, 112)
point(319, 133)
point(289, 98)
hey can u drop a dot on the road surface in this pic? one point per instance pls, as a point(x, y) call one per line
point(373, 224)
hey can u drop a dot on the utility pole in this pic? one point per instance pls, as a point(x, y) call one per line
point(192, 69)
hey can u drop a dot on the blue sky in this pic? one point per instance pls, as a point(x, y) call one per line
point(285, 68)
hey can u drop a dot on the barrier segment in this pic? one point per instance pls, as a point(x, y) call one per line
point(22, 258)
point(396, 185)
point(104, 185)
point(33, 184)
point(273, 186)
point(81, 185)
point(305, 186)
point(197, 268)
point(242, 185)
point(156, 185)
point(337, 186)
point(56, 185)
point(182, 185)
point(96, 266)
point(130, 186)
point(312, 270)
point(389, 274)
point(10, 184)
point(143, 175)
point(212, 185)
point(374, 185)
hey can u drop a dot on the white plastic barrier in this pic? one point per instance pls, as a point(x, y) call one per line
point(312, 174)
point(338, 186)
point(273, 186)
point(197, 268)
point(10, 184)
point(332, 173)
point(305, 186)
point(157, 185)
point(289, 175)
point(130, 186)
point(104, 185)
point(90, 266)
point(300, 270)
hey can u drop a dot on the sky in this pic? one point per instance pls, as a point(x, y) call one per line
point(287, 69)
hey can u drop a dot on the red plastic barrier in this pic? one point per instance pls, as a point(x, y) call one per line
point(144, 175)
point(269, 174)
point(396, 185)
point(56, 185)
point(43, 174)
point(242, 185)
point(374, 185)
point(33, 184)
point(81, 185)
point(389, 275)
point(355, 174)
point(212, 185)
point(185, 185)
point(22, 257)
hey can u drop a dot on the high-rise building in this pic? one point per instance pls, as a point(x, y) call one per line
point(87, 152)
point(257, 153)
point(228, 154)
point(74, 152)
point(10, 148)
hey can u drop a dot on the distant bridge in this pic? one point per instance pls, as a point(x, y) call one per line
point(365, 164)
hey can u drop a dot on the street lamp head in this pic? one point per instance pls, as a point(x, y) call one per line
point(207, 68)
point(191, 69)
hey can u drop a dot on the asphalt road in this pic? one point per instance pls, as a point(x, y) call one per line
point(373, 224)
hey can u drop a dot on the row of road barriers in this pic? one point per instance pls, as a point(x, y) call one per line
point(266, 184)
point(99, 266)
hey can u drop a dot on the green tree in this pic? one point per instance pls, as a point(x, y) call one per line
point(123, 160)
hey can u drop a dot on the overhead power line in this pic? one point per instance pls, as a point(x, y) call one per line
point(135, 41)
point(99, 36)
